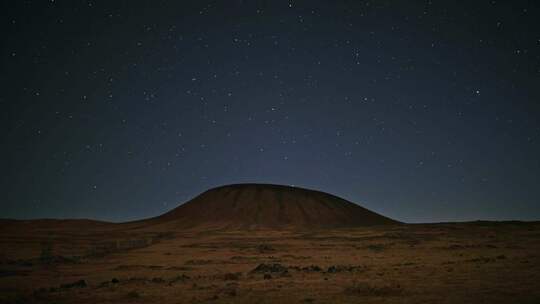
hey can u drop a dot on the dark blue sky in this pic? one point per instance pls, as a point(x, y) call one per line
point(419, 110)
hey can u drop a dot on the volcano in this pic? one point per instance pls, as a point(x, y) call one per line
point(254, 206)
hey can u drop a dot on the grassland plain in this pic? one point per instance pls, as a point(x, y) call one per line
point(93, 262)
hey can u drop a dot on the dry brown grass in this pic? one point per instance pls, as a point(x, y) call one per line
point(445, 263)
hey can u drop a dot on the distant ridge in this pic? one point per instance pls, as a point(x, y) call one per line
point(253, 206)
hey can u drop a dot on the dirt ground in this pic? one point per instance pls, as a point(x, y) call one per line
point(481, 262)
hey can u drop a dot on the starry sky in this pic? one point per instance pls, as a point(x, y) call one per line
point(423, 111)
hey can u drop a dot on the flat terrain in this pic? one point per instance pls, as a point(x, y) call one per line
point(92, 262)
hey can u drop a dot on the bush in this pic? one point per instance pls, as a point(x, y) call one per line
point(46, 254)
point(133, 294)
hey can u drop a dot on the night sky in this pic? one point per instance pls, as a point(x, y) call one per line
point(420, 110)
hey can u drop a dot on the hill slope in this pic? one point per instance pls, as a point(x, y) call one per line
point(269, 206)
